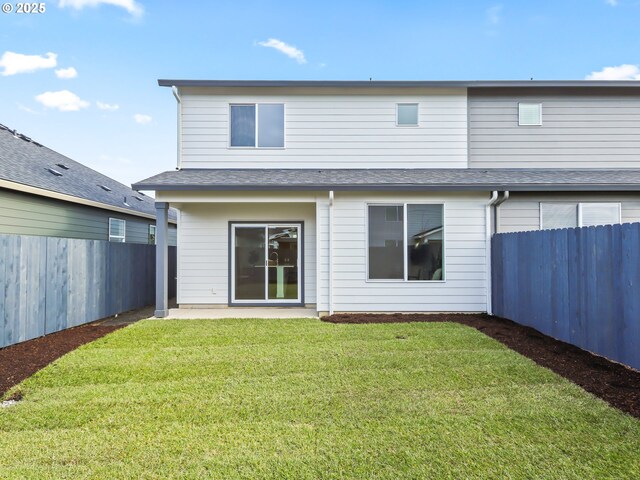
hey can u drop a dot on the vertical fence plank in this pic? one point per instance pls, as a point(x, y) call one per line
point(580, 285)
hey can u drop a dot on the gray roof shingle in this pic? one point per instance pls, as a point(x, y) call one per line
point(394, 179)
point(26, 162)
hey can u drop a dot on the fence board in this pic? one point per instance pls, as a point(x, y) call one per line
point(48, 284)
point(579, 285)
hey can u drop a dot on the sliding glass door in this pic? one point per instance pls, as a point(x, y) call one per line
point(265, 263)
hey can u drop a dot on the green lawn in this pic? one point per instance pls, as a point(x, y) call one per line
point(305, 399)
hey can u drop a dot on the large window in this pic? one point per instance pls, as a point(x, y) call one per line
point(572, 214)
point(406, 242)
point(117, 229)
point(257, 125)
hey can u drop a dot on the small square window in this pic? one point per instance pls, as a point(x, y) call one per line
point(529, 114)
point(257, 125)
point(407, 114)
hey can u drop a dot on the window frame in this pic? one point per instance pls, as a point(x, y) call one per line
point(520, 124)
point(408, 125)
point(405, 253)
point(116, 238)
point(155, 232)
point(257, 107)
point(578, 213)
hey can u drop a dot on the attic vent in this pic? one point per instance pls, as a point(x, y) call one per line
point(138, 198)
point(54, 172)
point(141, 194)
point(105, 188)
point(125, 202)
point(62, 166)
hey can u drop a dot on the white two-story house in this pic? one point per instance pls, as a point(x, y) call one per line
point(348, 196)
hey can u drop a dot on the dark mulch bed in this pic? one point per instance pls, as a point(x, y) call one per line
point(614, 383)
point(20, 361)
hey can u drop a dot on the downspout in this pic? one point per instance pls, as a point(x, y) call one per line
point(505, 197)
point(488, 230)
point(331, 252)
point(176, 94)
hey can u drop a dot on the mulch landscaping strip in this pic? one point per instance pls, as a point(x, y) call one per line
point(22, 360)
point(612, 382)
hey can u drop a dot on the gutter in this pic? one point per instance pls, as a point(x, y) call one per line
point(176, 93)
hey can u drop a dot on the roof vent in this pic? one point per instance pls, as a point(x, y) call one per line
point(138, 198)
point(105, 188)
point(62, 166)
point(54, 172)
point(140, 193)
point(125, 202)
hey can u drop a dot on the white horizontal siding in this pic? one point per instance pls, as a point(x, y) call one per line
point(521, 212)
point(203, 236)
point(331, 131)
point(464, 288)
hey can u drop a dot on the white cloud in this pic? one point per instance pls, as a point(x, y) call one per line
point(63, 100)
point(131, 6)
point(14, 63)
point(142, 119)
point(621, 72)
point(289, 50)
point(494, 14)
point(66, 73)
point(110, 107)
point(613, 3)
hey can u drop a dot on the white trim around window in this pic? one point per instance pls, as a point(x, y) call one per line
point(117, 230)
point(578, 209)
point(256, 132)
point(409, 125)
point(405, 250)
point(525, 117)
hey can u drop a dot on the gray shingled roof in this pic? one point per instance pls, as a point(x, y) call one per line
point(394, 179)
point(27, 162)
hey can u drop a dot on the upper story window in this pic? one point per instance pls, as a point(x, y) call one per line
point(529, 114)
point(568, 215)
point(407, 114)
point(117, 230)
point(257, 125)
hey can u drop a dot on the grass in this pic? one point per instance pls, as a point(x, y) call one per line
point(305, 399)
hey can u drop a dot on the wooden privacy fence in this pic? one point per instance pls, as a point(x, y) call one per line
point(579, 285)
point(48, 284)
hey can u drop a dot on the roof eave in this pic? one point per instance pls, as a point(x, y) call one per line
point(394, 187)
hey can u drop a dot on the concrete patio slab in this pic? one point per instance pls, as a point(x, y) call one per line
point(240, 312)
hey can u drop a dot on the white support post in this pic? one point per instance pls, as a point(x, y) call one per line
point(162, 260)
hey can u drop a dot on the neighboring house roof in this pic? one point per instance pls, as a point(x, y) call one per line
point(28, 166)
point(394, 179)
point(401, 83)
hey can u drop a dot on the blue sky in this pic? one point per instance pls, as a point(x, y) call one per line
point(113, 117)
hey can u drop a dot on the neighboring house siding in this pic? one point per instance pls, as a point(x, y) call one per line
point(27, 214)
point(597, 129)
point(203, 256)
point(522, 211)
point(464, 288)
point(331, 131)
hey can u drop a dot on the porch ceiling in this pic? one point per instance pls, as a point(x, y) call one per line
point(394, 179)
